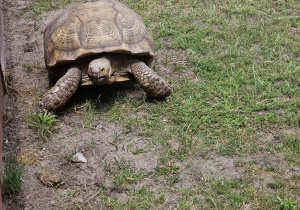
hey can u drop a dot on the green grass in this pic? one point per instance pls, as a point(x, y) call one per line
point(142, 198)
point(38, 7)
point(285, 204)
point(12, 174)
point(122, 173)
point(237, 95)
point(89, 113)
point(68, 156)
point(246, 71)
point(27, 67)
point(43, 123)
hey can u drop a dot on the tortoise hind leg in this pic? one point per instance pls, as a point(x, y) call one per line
point(152, 84)
point(62, 91)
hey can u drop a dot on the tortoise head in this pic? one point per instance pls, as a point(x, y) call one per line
point(100, 71)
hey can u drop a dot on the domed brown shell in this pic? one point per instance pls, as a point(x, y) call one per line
point(105, 26)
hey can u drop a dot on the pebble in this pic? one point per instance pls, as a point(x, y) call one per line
point(78, 158)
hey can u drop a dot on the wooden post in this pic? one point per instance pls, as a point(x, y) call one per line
point(2, 88)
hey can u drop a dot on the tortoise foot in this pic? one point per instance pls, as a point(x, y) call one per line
point(62, 91)
point(152, 84)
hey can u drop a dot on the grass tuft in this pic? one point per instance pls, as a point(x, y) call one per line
point(43, 123)
point(12, 174)
point(122, 173)
point(286, 204)
point(89, 113)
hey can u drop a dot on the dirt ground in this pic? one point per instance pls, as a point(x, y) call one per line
point(24, 47)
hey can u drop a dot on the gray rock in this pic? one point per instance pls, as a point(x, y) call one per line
point(78, 158)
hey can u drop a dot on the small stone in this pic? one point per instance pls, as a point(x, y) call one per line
point(78, 158)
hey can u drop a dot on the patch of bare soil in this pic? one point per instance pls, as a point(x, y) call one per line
point(27, 79)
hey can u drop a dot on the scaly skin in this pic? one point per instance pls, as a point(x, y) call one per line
point(66, 86)
point(151, 83)
point(62, 91)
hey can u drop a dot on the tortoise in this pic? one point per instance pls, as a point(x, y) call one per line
point(98, 43)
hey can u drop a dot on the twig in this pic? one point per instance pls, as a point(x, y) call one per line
point(91, 197)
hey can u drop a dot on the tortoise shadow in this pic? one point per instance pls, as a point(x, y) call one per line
point(105, 95)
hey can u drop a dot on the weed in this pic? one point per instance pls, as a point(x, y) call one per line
point(160, 199)
point(70, 133)
point(222, 186)
point(69, 155)
point(66, 156)
point(43, 123)
point(286, 204)
point(136, 151)
point(117, 138)
point(90, 144)
point(142, 198)
point(12, 174)
point(161, 170)
point(89, 113)
point(35, 26)
point(122, 173)
point(276, 185)
point(175, 179)
point(165, 170)
point(27, 67)
point(272, 168)
point(292, 143)
point(126, 175)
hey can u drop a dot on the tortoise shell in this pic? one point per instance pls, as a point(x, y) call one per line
point(105, 26)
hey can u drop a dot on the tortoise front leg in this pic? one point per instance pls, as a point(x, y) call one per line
point(62, 91)
point(152, 84)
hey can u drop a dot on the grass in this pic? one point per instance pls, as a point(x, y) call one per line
point(234, 67)
point(237, 94)
point(122, 173)
point(137, 150)
point(142, 198)
point(91, 144)
point(89, 113)
point(38, 7)
point(27, 67)
point(68, 156)
point(285, 204)
point(43, 123)
point(12, 174)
